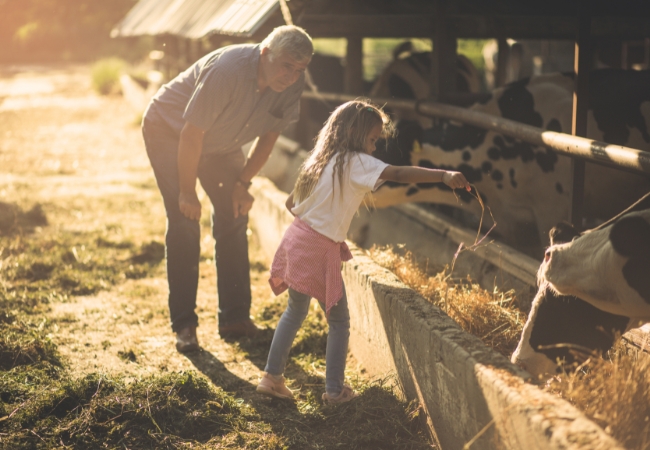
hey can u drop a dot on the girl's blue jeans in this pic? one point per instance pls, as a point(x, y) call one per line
point(337, 339)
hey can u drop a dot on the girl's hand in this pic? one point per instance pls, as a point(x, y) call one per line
point(455, 180)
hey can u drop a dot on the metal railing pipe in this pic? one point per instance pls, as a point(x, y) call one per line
point(601, 152)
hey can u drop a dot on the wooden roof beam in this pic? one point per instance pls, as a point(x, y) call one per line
point(471, 27)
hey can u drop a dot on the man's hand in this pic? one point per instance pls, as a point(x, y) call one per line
point(455, 180)
point(242, 200)
point(189, 205)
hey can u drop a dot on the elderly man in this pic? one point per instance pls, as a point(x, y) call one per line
point(194, 128)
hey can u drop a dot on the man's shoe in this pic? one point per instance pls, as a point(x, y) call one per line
point(186, 340)
point(245, 328)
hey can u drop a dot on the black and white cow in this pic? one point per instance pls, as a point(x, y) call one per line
point(528, 187)
point(608, 267)
point(593, 287)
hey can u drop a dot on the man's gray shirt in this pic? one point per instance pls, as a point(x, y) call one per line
point(219, 94)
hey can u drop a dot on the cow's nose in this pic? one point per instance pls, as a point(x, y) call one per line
point(547, 255)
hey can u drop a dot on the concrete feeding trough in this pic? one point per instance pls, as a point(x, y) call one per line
point(469, 392)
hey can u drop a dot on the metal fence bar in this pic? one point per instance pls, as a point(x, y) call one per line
point(631, 159)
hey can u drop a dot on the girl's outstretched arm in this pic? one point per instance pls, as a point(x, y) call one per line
point(412, 174)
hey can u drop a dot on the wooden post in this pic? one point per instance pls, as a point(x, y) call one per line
point(443, 59)
point(354, 66)
point(582, 65)
point(503, 57)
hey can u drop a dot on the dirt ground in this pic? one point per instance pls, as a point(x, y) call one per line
point(81, 157)
point(65, 147)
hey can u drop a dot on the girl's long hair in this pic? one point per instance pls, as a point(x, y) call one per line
point(343, 135)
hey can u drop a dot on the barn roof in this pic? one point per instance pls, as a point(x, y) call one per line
point(548, 19)
point(195, 18)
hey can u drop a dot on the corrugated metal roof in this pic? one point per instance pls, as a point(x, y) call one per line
point(195, 18)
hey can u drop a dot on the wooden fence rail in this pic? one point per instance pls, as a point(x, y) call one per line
point(618, 156)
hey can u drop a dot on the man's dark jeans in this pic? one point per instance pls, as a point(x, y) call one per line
point(217, 174)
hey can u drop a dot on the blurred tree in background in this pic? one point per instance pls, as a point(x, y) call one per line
point(64, 30)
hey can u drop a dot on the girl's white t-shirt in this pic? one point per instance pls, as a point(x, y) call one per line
point(330, 209)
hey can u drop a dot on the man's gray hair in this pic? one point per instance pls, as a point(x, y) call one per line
point(289, 40)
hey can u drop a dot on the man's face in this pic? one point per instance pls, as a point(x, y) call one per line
point(282, 71)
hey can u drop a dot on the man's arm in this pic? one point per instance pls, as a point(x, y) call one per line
point(258, 155)
point(242, 201)
point(189, 153)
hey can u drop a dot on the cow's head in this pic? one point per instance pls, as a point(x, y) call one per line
point(562, 330)
point(608, 267)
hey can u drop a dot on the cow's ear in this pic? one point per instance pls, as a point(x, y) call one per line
point(562, 232)
point(630, 236)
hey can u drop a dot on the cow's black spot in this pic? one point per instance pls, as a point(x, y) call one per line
point(494, 153)
point(517, 103)
point(615, 96)
point(635, 272)
point(400, 88)
point(554, 125)
point(513, 183)
point(509, 148)
point(546, 160)
point(486, 167)
point(497, 175)
point(559, 188)
point(563, 323)
point(630, 237)
point(467, 156)
point(412, 191)
point(451, 137)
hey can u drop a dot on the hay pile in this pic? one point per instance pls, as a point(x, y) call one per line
point(493, 317)
point(613, 391)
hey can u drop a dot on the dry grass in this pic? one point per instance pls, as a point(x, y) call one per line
point(493, 317)
point(614, 392)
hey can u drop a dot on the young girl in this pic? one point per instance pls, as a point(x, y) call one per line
point(332, 183)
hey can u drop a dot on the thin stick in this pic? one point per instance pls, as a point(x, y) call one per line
point(478, 240)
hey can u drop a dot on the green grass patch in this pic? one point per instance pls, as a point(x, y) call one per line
point(74, 263)
point(99, 410)
point(106, 75)
point(23, 341)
